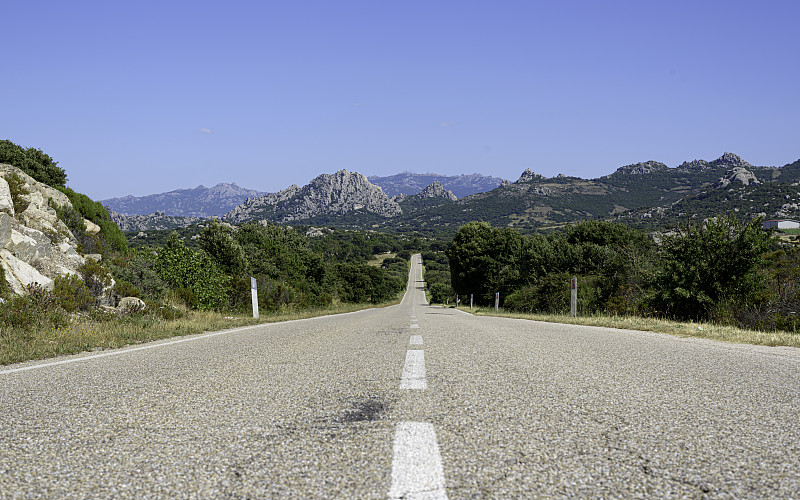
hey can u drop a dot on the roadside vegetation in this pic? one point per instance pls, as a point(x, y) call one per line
point(734, 280)
point(186, 291)
point(178, 285)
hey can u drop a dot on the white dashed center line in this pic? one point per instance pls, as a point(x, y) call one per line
point(417, 463)
point(416, 340)
point(414, 371)
point(414, 325)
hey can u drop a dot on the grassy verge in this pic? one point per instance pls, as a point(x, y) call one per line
point(97, 333)
point(700, 330)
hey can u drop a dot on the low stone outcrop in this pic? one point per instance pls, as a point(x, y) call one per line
point(35, 246)
point(737, 174)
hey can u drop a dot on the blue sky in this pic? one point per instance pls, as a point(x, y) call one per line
point(144, 97)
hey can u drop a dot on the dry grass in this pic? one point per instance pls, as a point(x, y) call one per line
point(699, 330)
point(86, 334)
point(377, 260)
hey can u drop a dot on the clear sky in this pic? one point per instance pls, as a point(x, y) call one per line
point(144, 97)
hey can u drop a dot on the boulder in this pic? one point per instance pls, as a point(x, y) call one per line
point(6, 203)
point(91, 227)
point(130, 304)
point(94, 256)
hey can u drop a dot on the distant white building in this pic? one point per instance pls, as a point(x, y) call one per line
point(781, 224)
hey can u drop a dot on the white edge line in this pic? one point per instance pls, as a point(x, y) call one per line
point(161, 343)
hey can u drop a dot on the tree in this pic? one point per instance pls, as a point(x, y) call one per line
point(217, 242)
point(484, 260)
point(704, 265)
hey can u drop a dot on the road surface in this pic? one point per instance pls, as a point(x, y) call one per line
point(409, 401)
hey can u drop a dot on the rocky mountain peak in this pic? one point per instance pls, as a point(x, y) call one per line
point(333, 194)
point(529, 175)
point(437, 190)
point(642, 168)
point(731, 160)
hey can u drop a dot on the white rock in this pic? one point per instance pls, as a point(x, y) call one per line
point(6, 203)
point(66, 248)
point(130, 304)
point(5, 229)
point(20, 274)
point(91, 227)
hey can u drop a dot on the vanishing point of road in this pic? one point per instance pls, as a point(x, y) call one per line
point(408, 401)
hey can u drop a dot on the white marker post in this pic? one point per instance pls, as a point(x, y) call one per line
point(496, 301)
point(573, 292)
point(470, 302)
point(456, 300)
point(254, 295)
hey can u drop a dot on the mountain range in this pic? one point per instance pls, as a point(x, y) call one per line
point(222, 198)
point(647, 194)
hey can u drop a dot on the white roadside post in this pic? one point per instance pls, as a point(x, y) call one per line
point(496, 301)
point(254, 296)
point(573, 292)
point(456, 300)
point(470, 302)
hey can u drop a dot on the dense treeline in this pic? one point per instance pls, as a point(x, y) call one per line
point(292, 271)
point(723, 270)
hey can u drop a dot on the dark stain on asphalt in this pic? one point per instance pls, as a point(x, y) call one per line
point(365, 411)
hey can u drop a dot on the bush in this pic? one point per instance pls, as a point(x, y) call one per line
point(96, 278)
point(440, 293)
point(71, 293)
point(18, 191)
point(123, 288)
point(137, 269)
point(36, 310)
point(97, 213)
point(34, 163)
point(193, 272)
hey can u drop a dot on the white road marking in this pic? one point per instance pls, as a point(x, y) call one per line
point(414, 325)
point(414, 371)
point(416, 340)
point(126, 350)
point(417, 471)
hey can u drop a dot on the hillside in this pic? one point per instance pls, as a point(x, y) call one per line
point(647, 194)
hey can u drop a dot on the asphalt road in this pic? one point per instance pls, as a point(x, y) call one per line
point(409, 401)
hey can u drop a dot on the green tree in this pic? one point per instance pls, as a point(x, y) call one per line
point(217, 242)
point(707, 264)
point(484, 260)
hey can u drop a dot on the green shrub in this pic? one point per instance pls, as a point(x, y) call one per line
point(187, 269)
point(97, 213)
point(18, 190)
point(95, 276)
point(34, 163)
point(37, 309)
point(123, 288)
point(137, 269)
point(71, 293)
point(441, 293)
